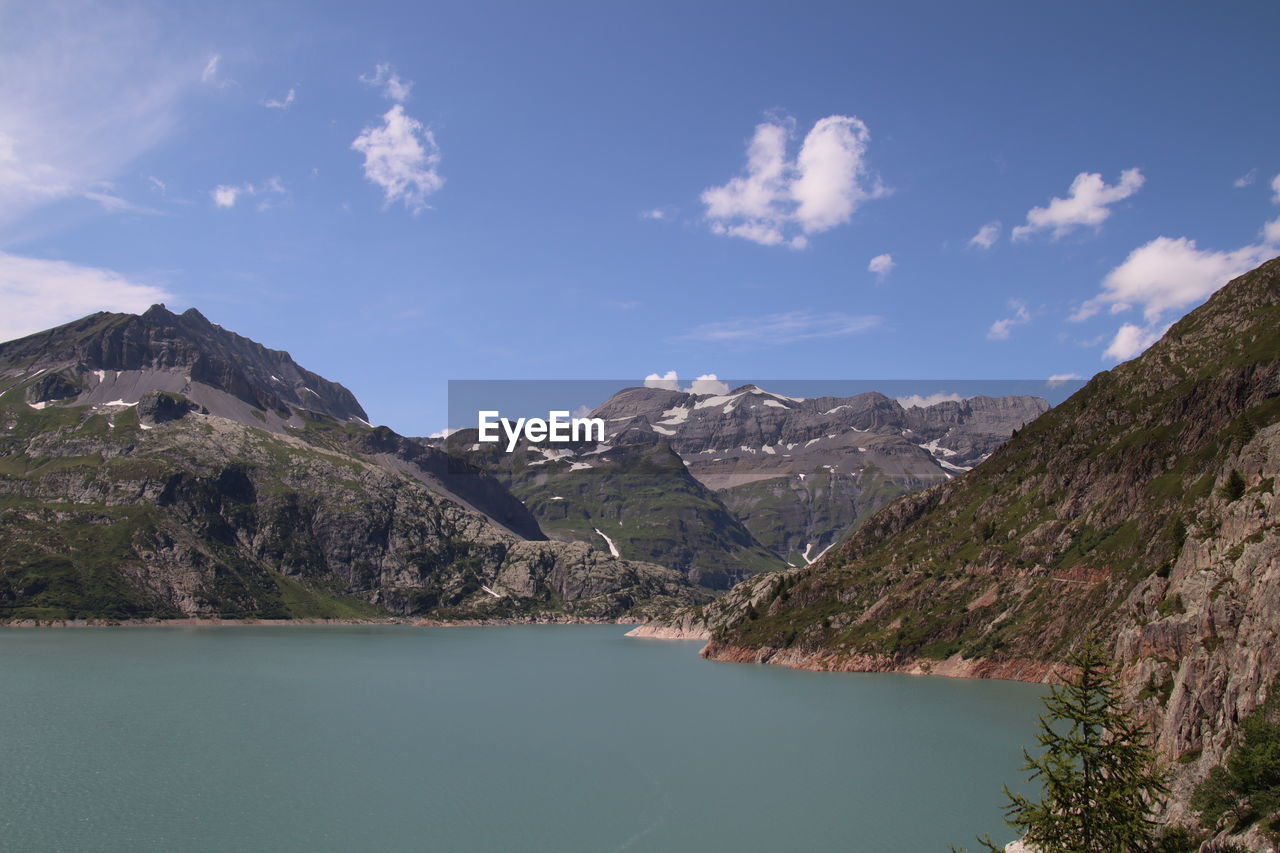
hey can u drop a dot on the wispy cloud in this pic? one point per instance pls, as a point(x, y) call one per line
point(393, 86)
point(779, 201)
point(1059, 379)
point(225, 196)
point(36, 294)
point(1246, 179)
point(210, 73)
point(986, 237)
point(281, 103)
point(999, 330)
point(1085, 205)
point(83, 95)
point(881, 265)
point(782, 328)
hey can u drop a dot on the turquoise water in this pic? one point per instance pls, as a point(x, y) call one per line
point(540, 738)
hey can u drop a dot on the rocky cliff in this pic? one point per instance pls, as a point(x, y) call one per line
point(160, 466)
point(1144, 508)
point(722, 486)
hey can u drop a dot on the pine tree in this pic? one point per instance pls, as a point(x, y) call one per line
point(1100, 777)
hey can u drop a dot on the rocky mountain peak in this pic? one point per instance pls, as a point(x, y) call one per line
point(106, 357)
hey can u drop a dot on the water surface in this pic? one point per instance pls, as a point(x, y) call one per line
point(539, 738)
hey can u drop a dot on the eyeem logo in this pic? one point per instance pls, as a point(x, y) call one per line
point(558, 427)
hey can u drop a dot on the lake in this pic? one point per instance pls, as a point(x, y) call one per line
point(528, 738)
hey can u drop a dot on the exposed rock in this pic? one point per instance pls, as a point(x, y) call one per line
point(1144, 509)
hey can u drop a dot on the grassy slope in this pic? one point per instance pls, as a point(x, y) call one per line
point(1051, 533)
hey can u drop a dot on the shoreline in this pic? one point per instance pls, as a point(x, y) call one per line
point(1012, 669)
point(667, 632)
point(214, 622)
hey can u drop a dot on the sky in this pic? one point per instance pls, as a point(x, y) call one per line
point(403, 194)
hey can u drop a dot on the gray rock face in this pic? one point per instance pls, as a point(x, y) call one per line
point(126, 355)
point(800, 473)
point(151, 467)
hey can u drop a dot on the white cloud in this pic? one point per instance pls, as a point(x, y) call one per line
point(157, 183)
point(999, 330)
point(226, 196)
point(782, 328)
point(1271, 233)
point(830, 170)
point(1275, 188)
point(82, 96)
point(210, 73)
point(112, 203)
point(393, 86)
point(281, 103)
point(1061, 379)
point(669, 381)
point(881, 265)
point(655, 213)
point(1246, 179)
point(987, 236)
point(916, 401)
point(708, 383)
point(779, 201)
point(1085, 205)
point(1131, 340)
point(36, 294)
point(401, 157)
point(1168, 274)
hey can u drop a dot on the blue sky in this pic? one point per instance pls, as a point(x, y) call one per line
point(400, 194)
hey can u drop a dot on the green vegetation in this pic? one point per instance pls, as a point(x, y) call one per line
point(1246, 789)
point(1100, 779)
point(1233, 489)
point(304, 602)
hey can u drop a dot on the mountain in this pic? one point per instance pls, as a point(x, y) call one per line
point(1144, 508)
point(800, 473)
point(638, 499)
point(160, 466)
point(726, 485)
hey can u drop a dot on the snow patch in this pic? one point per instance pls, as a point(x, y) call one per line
point(774, 404)
point(37, 405)
point(662, 430)
point(491, 592)
point(578, 466)
point(933, 448)
point(613, 549)
point(769, 450)
point(717, 400)
point(678, 415)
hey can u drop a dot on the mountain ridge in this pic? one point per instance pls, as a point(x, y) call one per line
point(159, 466)
point(1143, 508)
